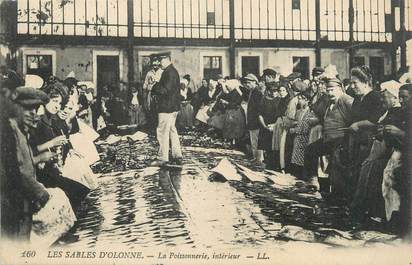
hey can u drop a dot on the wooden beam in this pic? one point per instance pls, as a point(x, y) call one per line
point(130, 41)
point(402, 34)
point(318, 37)
point(232, 48)
point(351, 37)
point(394, 64)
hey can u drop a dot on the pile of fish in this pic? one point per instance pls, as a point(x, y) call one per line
point(285, 208)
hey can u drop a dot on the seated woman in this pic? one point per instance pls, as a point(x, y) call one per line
point(84, 105)
point(397, 175)
point(368, 200)
point(234, 125)
point(216, 109)
point(200, 96)
point(267, 115)
point(185, 116)
point(49, 135)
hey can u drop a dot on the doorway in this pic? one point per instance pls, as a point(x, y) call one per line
point(107, 72)
point(376, 64)
point(250, 65)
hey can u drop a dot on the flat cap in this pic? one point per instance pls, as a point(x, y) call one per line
point(270, 71)
point(29, 97)
point(299, 86)
point(273, 85)
point(293, 76)
point(251, 77)
point(70, 81)
point(332, 82)
point(163, 55)
point(317, 71)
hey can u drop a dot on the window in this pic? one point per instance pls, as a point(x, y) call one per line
point(212, 66)
point(210, 18)
point(296, 4)
point(250, 65)
point(358, 61)
point(388, 22)
point(376, 64)
point(41, 65)
point(301, 65)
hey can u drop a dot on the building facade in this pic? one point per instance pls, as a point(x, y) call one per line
point(105, 41)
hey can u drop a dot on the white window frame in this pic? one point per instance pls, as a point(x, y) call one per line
point(38, 51)
point(249, 53)
point(107, 53)
point(213, 54)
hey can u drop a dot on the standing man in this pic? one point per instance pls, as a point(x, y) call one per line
point(167, 91)
point(336, 118)
point(21, 194)
point(250, 81)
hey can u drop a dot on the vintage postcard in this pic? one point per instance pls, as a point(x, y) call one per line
point(205, 132)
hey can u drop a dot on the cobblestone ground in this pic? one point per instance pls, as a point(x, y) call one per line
point(138, 205)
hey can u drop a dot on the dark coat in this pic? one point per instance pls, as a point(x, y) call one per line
point(19, 187)
point(253, 106)
point(167, 91)
point(204, 97)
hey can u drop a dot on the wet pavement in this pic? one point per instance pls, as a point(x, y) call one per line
point(137, 205)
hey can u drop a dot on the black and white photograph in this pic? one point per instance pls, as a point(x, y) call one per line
point(205, 132)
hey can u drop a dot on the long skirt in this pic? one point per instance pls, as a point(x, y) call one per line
point(201, 114)
point(217, 120)
point(265, 140)
point(185, 116)
point(137, 115)
point(234, 126)
point(286, 149)
point(301, 142)
point(390, 194)
point(315, 133)
point(368, 195)
point(277, 133)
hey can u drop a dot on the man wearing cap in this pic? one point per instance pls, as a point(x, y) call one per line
point(316, 82)
point(337, 118)
point(167, 91)
point(269, 75)
point(317, 72)
point(21, 194)
point(255, 97)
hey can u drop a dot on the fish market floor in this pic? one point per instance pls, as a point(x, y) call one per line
point(137, 205)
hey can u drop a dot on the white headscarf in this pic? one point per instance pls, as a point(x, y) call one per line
point(393, 88)
point(183, 92)
point(232, 84)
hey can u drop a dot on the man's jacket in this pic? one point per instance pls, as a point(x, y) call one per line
point(167, 91)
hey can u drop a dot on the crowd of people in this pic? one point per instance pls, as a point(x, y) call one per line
point(352, 135)
point(46, 144)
